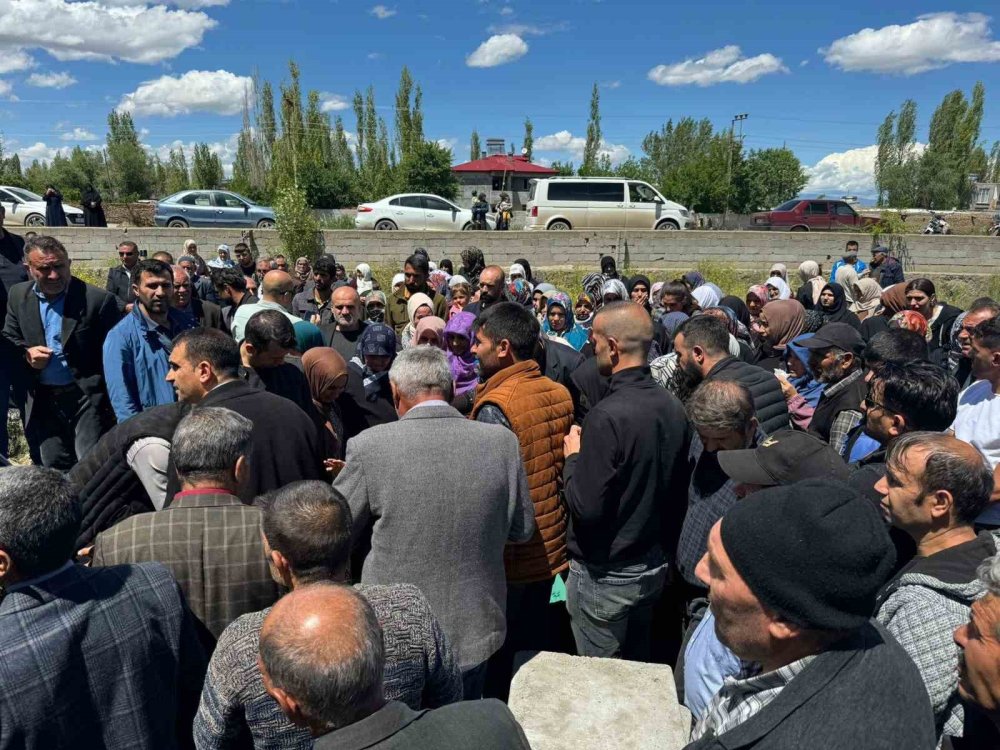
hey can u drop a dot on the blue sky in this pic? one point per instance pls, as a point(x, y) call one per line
point(818, 78)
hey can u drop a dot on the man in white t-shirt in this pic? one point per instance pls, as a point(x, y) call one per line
point(978, 418)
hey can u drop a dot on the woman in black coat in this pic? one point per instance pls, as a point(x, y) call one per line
point(54, 214)
point(93, 209)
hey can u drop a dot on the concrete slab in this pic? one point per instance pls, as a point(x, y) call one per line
point(578, 703)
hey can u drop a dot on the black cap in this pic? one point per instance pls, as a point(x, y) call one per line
point(840, 335)
point(785, 457)
point(879, 249)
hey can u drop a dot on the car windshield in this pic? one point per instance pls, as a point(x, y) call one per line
point(244, 199)
point(788, 205)
point(25, 195)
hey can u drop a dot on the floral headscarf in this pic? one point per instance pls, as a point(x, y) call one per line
point(911, 320)
point(592, 285)
point(760, 292)
point(519, 291)
point(430, 323)
point(473, 264)
point(375, 296)
point(572, 333)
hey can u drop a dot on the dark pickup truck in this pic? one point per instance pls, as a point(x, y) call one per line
point(800, 215)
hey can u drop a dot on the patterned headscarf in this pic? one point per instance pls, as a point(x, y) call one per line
point(377, 340)
point(473, 264)
point(592, 285)
point(911, 320)
point(573, 334)
point(614, 286)
point(519, 291)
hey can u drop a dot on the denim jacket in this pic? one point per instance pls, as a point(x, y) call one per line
point(135, 362)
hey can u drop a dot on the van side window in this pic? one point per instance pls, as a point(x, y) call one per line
point(568, 191)
point(639, 193)
point(606, 192)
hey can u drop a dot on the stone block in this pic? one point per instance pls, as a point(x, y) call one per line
point(577, 703)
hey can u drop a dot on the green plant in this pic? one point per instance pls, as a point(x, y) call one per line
point(340, 221)
point(296, 224)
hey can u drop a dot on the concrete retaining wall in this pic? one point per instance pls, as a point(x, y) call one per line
point(952, 255)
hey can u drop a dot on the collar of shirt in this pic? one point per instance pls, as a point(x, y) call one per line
point(50, 300)
point(430, 402)
point(37, 579)
point(842, 385)
point(203, 491)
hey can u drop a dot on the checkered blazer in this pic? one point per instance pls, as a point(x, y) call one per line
point(105, 658)
point(211, 542)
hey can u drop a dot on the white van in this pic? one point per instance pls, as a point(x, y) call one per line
point(601, 203)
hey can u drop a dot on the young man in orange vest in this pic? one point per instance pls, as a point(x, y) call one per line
point(516, 395)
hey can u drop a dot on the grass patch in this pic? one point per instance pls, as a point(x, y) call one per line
point(343, 221)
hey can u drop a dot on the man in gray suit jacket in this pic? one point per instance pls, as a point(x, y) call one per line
point(440, 524)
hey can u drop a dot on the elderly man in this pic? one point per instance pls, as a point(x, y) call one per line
point(835, 357)
point(136, 350)
point(935, 487)
point(205, 370)
point(12, 368)
point(885, 269)
point(200, 280)
point(481, 502)
point(491, 290)
point(980, 311)
point(58, 324)
point(307, 532)
point(322, 656)
point(815, 668)
point(303, 272)
point(621, 468)
point(90, 657)
point(347, 326)
point(207, 537)
point(415, 273)
point(202, 312)
point(119, 281)
point(979, 664)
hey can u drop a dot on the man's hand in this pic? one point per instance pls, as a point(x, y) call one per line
point(571, 443)
point(315, 319)
point(333, 466)
point(38, 357)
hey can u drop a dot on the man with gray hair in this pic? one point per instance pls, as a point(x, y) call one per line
point(935, 487)
point(451, 546)
point(207, 537)
point(307, 541)
point(979, 662)
point(322, 657)
point(90, 657)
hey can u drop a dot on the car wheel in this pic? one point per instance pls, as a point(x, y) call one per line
point(34, 220)
point(559, 225)
point(467, 227)
point(177, 224)
point(385, 225)
point(265, 224)
point(667, 225)
point(799, 229)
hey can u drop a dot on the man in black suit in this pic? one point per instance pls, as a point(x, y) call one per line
point(12, 368)
point(207, 314)
point(120, 277)
point(204, 369)
point(58, 323)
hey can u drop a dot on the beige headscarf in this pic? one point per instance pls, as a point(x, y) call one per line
point(867, 296)
point(847, 277)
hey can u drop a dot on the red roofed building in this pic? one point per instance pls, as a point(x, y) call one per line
point(499, 172)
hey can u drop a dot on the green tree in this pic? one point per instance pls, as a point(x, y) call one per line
point(564, 168)
point(529, 139)
point(632, 169)
point(176, 175)
point(592, 147)
point(128, 165)
point(409, 118)
point(475, 147)
point(897, 167)
point(252, 165)
point(428, 170)
point(769, 177)
point(296, 223)
point(206, 168)
point(268, 125)
point(375, 164)
point(993, 169)
point(690, 163)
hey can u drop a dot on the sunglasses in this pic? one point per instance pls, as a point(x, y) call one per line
point(871, 403)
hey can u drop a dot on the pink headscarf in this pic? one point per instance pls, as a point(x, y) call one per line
point(433, 324)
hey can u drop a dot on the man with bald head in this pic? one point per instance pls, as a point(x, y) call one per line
point(934, 488)
point(344, 331)
point(491, 285)
point(277, 291)
point(321, 659)
point(622, 469)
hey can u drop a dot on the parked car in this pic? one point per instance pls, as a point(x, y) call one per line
point(601, 203)
point(211, 208)
point(799, 215)
point(28, 209)
point(415, 212)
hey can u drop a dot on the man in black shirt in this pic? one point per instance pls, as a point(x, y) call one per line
point(343, 332)
point(269, 339)
point(621, 469)
point(119, 281)
point(12, 370)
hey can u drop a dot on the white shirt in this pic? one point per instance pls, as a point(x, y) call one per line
point(978, 423)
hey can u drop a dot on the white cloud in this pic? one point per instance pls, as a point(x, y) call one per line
point(225, 150)
point(611, 84)
point(498, 50)
point(6, 90)
point(934, 40)
point(375, 55)
point(847, 172)
point(137, 33)
point(219, 92)
point(333, 102)
point(723, 65)
point(528, 29)
point(448, 143)
point(566, 142)
point(12, 60)
point(381, 12)
point(506, 10)
point(78, 134)
point(41, 152)
point(51, 80)
point(186, 4)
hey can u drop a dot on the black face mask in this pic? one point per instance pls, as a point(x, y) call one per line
point(376, 315)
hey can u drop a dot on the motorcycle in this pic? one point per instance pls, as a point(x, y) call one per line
point(937, 225)
point(994, 230)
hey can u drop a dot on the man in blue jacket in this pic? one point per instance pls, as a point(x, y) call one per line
point(849, 258)
point(136, 350)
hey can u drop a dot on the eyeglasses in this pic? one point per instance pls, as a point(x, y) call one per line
point(871, 403)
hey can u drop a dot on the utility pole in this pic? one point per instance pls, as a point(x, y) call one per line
point(729, 164)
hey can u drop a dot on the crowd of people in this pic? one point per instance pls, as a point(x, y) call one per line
point(280, 507)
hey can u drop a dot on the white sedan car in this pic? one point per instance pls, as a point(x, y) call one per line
point(26, 208)
point(415, 212)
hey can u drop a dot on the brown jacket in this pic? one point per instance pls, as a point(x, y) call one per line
point(540, 412)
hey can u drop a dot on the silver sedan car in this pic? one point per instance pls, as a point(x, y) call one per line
point(415, 212)
point(212, 208)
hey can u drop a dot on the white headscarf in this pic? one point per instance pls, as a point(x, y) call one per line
point(779, 283)
point(706, 297)
point(364, 281)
